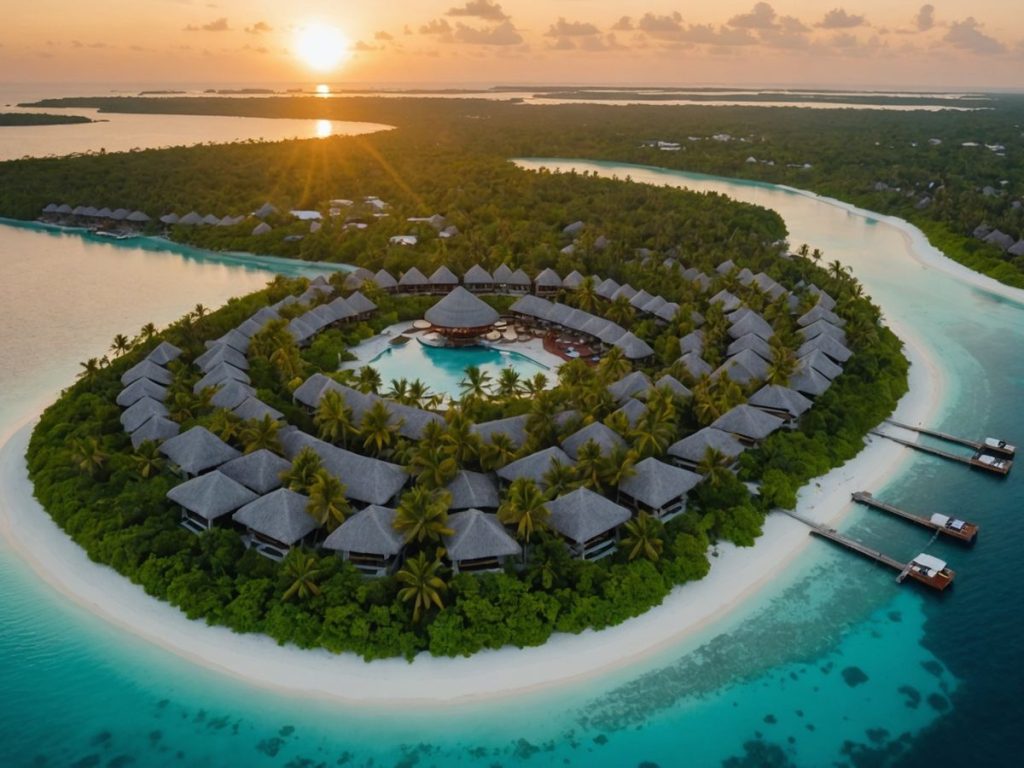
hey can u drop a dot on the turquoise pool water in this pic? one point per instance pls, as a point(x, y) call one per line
point(443, 368)
point(833, 664)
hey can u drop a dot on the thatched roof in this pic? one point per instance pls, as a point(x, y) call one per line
point(535, 465)
point(513, 426)
point(280, 515)
point(198, 450)
point(727, 300)
point(219, 355)
point(692, 342)
point(412, 420)
point(743, 368)
point(444, 276)
point(633, 410)
point(745, 276)
point(520, 278)
point(625, 291)
point(361, 304)
point(254, 324)
point(477, 275)
point(369, 532)
point(139, 389)
point(751, 322)
point(635, 384)
point(234, 339)
point(253, 408)
point(476, 536)
point(825, 301)
point(384, 279)
point(695, 365)
point(502, 274)
point(147, 369)
point(548, 279)
point(573, 280)
point(259, 471)
point(573, 229)
point(220, 373)
point(754, 343)
point(473, 490)
point(821, 363)
point(725, 267)
point(532, 306)
point(778, 398)
point(747, 421)
point(828, 345)
point(639, 299)
point(653, 306)
point(604, 437)
point(823, 328)
point(693, 448)
point(461, 309)
point(674, 385)
point(169, 218)
point(656, 483)
point(191, 219)
point(583, 515)
point(607, 288)
point(633, 347)
point(809, 381)
point(163, 353)
point(135, 416)
point(820, 313)
point(155, 429)
point(667, 311)
point(211, 496)
point(230, 394)
point(412, 278)
point(367, 480)
point(264, 210)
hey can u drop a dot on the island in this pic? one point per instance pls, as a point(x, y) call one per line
point(16, 119)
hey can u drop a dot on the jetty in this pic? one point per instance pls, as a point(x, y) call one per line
point(991, 445)
point(979, 460)
point(952, 527)
point(924, 568)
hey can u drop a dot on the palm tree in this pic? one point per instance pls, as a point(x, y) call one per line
point(653, 434)
point(422, 515)
point(620, 311)
point(199, 311)
point(618, 466)
point(88, 456)
point(783, 364)
point(714, 465)
point(147, 459)
point(589, 465)
point(147, 332)
point(333, 418)
point(303, 570)
point(535, 385)
point(559, 479)
point(419, 393)
point(705, 406)
point(459, 438)
point(433, 466)
point(378, 432)
point(120, 345)
point(327, 503)
point(509, 384)
point(303, 471)
point(614, 365)
point(524, 508)
point(398, 390)
point(368, 379)
point(89, 368)
point(270, 337)
point(260, 434)
point(287, 362)
point(496, 452)
point(224, 424)
point(186, 406)
point(474, 385)
point(643, 537)
point(584, 296)
point(423, 585)
point(837, 270)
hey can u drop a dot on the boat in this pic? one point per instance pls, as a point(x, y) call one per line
point(930, 571)
point(955, 527)
point(999, 447)
point(991, 463)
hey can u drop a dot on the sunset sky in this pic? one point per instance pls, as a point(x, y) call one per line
point(951, 43)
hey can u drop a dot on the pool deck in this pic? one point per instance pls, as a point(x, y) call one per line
point(369, 349)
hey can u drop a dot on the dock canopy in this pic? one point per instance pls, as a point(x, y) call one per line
point(259, 471)
point(478, 539)
point(280, 516)
point(211, 496)
point(747, 422)
point(197, 451)
point(369, 532)
point(461, 313)
point(473, 490)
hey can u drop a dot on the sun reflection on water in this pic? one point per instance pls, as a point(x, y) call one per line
point(324, 128)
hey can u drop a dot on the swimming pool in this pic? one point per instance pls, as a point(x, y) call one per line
point(443, 368)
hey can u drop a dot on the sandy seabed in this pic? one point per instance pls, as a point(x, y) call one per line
point(735, 576)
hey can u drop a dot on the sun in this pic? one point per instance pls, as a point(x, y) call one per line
point(321, 46)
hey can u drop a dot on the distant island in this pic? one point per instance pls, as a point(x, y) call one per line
point(40, 118)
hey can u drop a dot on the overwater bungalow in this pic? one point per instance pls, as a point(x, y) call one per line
point(413, 281)
point(259, 471)
point(443, 280)
point(513, 427)
point(588, 522)
point(478, 280)
point(636, 384)
point(147, 369)
point(478, 542)
point(754, 343)
point(155, 429)
point(230, 394)
point(197, 451)
point(473, 490)
point(747, 423)
point(534, 466)
point(781, 402)
point(369, 541)
point(658, 488)
point(605, 438)
point(695, 365)
point(461, 317)
point(275, 523)
point(547, 283)
point(136, 415)
point(690, 451)
point(385, 281)
point(139, 389)
point(208, 498)
point(163, 353)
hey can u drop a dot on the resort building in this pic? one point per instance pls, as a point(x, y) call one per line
point(781, 402)
point(605, 438)
point(588, 522)
point(547, 283)
point(535, 466)
point(473, 490)
point(275, 523)
point(689, 452)
point(478, 542)
point(443, 280)
point(208, 498)
point(197, 451)
point(747, 423)
point(658, 488)
point(461, 317)
point(478, 280)
point(259, 471)
point(369, 541)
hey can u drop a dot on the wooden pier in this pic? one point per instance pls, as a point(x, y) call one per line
point(919, 569)
point(977, 461)
point(990, 445)
point(947, 526)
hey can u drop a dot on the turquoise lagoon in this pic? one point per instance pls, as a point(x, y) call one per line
point(831, 664)
point(442, 369)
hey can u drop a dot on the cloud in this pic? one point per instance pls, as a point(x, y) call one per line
point(661, 27)
point(259, 28)
point(382, 35)
point(218, 25)
point(503, 34)
point(364, 47)
point(967, 36)
point(438, 27)
point(925, 18)
point(762, 16)
point(789, 33)
point(838, 18)
point(624, 24)
point(563, 28)
point(480, 9)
